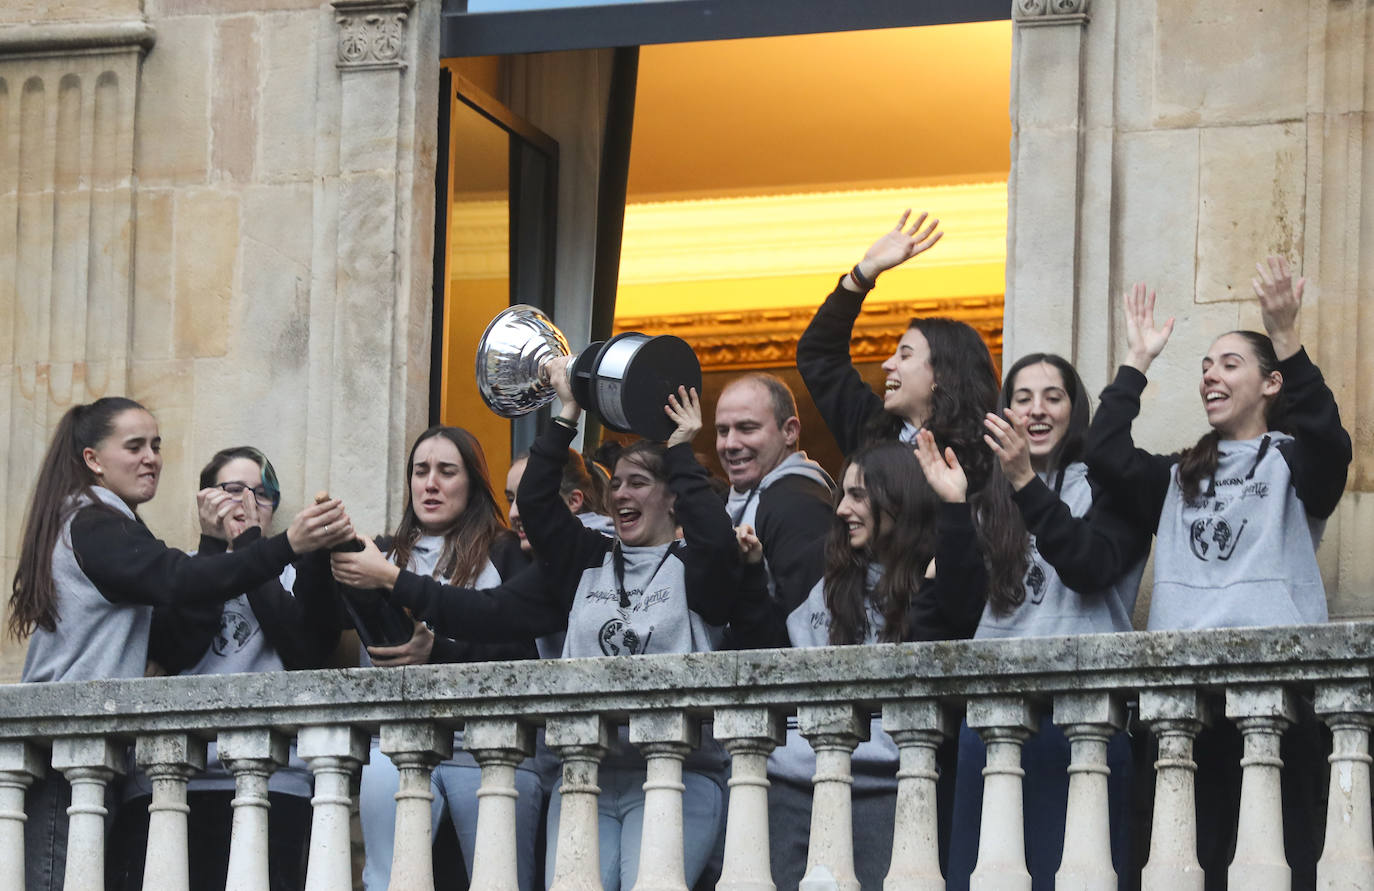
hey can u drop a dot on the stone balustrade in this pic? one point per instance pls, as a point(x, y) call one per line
point(1181, 681)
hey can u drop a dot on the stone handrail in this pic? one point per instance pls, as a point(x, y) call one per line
point(1180, 679)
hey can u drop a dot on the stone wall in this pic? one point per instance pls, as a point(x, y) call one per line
point(1178, 142)
point(224, 209)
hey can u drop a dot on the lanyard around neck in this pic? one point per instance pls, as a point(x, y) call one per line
point(618, 564)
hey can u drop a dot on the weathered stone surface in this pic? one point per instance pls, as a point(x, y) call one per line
point(205, 266)
point(489, 733)
point(22, 11)
point(170, 748)
point(234, 102)
point(1252, 205)
point(160, 8)
point(664, 726)
point(1089, 708)
point(1262, 76)
point(153, 329)
point(172, 142)
point(291, 100)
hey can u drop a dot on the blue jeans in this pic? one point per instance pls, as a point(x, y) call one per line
point(620, 810)
point(455, 788)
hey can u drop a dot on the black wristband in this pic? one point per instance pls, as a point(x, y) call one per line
point(861, 280)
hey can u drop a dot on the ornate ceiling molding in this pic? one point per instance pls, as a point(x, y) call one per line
point(767, 338)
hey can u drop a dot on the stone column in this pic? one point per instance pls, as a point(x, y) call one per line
point(1089, 720)
point(749, 735)
point(1262, 713)
point(1004, 722)
point(581, 741)
point(334, 753)
point(250, 755)
point(1176, 716)
point(834, 731)
point(1045, 189)
point(665, 738)
point(498, 745)
point(415, 748)
point(88, 763)
point(1347, 859)
point(20, 764)
point(383, 259)
point(169, 759)
point(917, 726)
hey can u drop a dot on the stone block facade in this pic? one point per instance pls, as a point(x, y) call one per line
point(224, 208)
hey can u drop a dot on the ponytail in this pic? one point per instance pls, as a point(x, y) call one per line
point(63, 474)
point(1198, 463)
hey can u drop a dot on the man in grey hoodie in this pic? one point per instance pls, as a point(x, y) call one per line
point(774, 486)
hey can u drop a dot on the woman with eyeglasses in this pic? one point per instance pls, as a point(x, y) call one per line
point(90, 573)
point(263, 629)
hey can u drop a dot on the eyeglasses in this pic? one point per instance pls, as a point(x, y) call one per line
point(264, 496)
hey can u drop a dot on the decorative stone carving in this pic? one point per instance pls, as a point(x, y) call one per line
point(1050, 12)
point(372, 34)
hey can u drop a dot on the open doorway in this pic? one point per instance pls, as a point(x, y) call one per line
point(758, 170)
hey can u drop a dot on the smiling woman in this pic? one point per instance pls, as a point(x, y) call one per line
point(90, 574)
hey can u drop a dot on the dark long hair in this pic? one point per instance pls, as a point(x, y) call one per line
point(63, 474)
point(904, 510)
point(467, 543)
point(966, 389)
point(1069, 448)
point(1200, 462)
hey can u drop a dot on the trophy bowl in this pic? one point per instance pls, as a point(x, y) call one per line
point(511, 357)
point(625, 381)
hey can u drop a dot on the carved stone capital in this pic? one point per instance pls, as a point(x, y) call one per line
point(1032, 13)
point(372, 33)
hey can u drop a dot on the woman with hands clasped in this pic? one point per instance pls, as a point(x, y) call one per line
point(1084, 566)
point(642, 591)
point(452, 532)
point(90, 574)
point(1237, 518)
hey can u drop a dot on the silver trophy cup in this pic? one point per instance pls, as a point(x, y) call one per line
point(625, 381)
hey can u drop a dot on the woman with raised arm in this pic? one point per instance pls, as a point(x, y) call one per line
point(1085, 562)
point(641, 591)
point(902, 564)
point(90, 574)
point(1237, 518)
point(452, 532)
point(940, 379)
point(1237, 515)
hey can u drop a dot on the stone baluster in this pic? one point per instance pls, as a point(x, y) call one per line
point(415, 747)
point(334, 753)
point(1348, 855)
point(1004, 722)
point(1262, 712)
point(749, 735)
point(1089, 721)
point(88, 763)
point(1176, 717)
point(581, 741)
point(169, 760)
point(250, 754)
point(498, 745)
point(665, 738)
point(917, 726)
point(20, 764)
point(834, 731)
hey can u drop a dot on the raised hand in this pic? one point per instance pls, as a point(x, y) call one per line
point(213, 505)
point(943, 472)
point(557, 371)
point(1008, 440)
point(1144, 341)
point(321, 525)
point(368, 568)
point(1280, 301)
point(750, 548)
point(245, 517)
point(900, 244)
point(685, 410)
